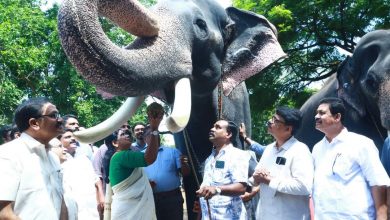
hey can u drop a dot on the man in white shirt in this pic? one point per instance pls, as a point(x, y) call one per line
point(80, 178)
point(285, 171)
point(349, 179)
point(31, 186)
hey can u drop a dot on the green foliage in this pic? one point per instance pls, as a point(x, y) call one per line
point(312, 34)
point(32, 63)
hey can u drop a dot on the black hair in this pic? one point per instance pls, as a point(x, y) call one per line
point(233, 129)
point(5, 131)
point(137, 123)
point(14, 130)
point(65, 130)
point(291, 116)
point(30, 108)
point(336, 106)
point(108, 155)
point(67, 116)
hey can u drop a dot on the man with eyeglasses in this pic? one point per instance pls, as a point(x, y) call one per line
point(349, 179)
point(285, 171)
point(31, 174)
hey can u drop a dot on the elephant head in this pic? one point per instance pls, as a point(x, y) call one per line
point(182, 44)
point(364, 78)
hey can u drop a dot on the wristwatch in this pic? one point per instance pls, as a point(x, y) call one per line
point(218, 190)
point(155, 133)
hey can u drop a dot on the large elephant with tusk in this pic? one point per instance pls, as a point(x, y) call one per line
point(363, 82)
point(191, 53)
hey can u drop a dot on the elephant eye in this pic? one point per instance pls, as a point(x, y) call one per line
point(201, 29)
point(201, 24)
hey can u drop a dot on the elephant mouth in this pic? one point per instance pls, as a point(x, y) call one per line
point(175, 122)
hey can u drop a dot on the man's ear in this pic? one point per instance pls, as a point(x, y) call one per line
point(34, 123)
point(251, 46)
point(337, 117)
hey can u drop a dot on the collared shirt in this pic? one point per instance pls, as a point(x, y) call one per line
point(345, 170)
point(79, 183)
point(228, 167)
point(137, 148)
point(291, 170)
point(385, 155)
point(32, 178)
point(165, 170)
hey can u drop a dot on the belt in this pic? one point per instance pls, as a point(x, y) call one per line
point(168, 193)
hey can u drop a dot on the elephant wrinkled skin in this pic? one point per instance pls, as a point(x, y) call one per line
point(363, 82)
point(194, 39)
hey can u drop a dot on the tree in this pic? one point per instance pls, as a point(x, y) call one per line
point(32, 63)
point(312, 33)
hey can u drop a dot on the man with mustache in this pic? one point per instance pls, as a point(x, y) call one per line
point(138, 132)
point(31, 174)
point(79, 177)
point(349, 179)
point(225, 175)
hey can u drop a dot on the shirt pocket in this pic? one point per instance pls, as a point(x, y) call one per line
point(344, 166)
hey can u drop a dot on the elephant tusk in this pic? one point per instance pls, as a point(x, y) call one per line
point(107, 127)
point(181, 106)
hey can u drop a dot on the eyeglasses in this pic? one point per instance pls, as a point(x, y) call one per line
point(54, 115)
point(275, 120)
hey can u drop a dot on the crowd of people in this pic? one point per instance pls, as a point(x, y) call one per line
point(50, 175)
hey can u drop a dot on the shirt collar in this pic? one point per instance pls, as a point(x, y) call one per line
point(286, 144)
point(31, 143)
point(223, 150)
point(342, 136)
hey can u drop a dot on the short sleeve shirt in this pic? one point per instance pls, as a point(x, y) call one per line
point(345, 170)
point(228, 167)
point(164, 171)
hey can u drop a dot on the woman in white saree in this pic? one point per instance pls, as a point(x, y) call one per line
point(132, 195)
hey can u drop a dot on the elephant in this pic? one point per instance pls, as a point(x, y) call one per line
point(363, 83)
point(194, 54)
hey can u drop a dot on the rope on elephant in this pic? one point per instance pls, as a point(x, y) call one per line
point(219, 100)
point(191, 156)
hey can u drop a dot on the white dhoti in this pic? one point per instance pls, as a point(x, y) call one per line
point(133, 198)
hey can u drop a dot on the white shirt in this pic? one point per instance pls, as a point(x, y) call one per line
point(345, 170)
point(287, 195)
point(79, 183)
point(31, 177)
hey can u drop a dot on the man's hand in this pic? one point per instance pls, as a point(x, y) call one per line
point(249, 195)
point(207, 192)
point(242, 131)
point(262, 176)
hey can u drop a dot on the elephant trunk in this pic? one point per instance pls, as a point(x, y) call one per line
point(139, 69)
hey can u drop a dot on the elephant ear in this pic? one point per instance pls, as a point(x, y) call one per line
point(348, 86)
point(252, 47)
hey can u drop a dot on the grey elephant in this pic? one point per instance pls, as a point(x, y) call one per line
point(363, 82)
point(189, 53)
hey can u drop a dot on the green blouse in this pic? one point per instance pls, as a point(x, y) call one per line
point(123, 163)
